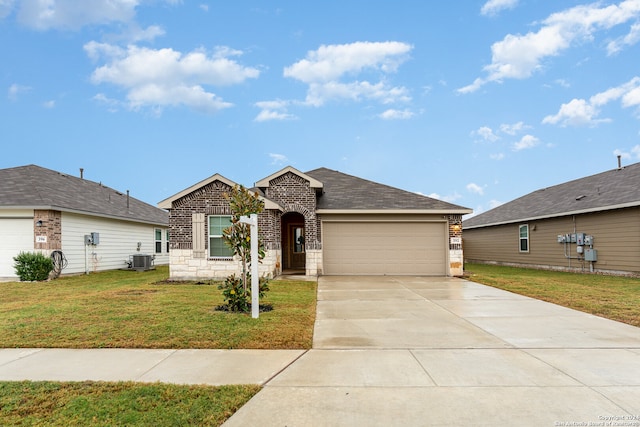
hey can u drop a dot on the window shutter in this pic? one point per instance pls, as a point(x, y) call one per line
point(197, 231)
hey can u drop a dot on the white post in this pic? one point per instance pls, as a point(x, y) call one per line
point(252, 220)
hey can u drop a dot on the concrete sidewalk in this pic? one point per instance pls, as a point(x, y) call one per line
point(211, 367)
point(394, 351)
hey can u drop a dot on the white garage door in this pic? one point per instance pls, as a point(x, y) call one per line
point(16, 234)
point(378, 248)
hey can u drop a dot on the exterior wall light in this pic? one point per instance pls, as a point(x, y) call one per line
point(39, 223)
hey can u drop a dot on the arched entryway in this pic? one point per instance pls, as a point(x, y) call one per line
point(293, 248)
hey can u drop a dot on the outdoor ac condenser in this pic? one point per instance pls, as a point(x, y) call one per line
point(141, 262)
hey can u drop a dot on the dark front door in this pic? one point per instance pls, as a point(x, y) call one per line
point(293, 252)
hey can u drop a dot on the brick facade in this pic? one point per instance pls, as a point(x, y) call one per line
point(50, 227)
point(294, 194)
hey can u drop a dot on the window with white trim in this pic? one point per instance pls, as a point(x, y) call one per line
point(158, 238)
point(217, 247)
point(524, 238)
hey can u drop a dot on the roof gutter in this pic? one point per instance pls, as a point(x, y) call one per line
point(80, 212)
point(396, 211)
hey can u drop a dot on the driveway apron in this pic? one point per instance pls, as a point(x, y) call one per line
point(420, 351)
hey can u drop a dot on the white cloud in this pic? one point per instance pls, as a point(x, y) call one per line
point(475, 188)
point(495, 203)
point(15, 90)
point(157, 78)
point(580, 112)
point(392, 114)
point(330, 62)
point(493, 7)
point(49, 104)
point(634, 152)
point(519, 56)
point(527, 141)
point(278, 159)
point(620, 43)
point(273, 110)
point(497, 156)
point(450, 198)
point(513, 129)
point(325, 69)
point(486, 133)
point(111, 104)
point(73, 14)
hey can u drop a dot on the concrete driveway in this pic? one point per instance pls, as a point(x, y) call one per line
point(415, 351)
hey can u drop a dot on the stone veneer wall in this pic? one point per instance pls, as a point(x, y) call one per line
point(456, 257)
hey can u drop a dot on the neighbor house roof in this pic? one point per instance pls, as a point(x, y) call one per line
point(35, 187)
point(614, 189)
point(343, 192)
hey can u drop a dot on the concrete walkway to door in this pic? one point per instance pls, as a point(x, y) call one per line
point(415, 351)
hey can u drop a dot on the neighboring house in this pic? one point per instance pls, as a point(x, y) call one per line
point(42, 210)
point(318, 222)
point(589, 224)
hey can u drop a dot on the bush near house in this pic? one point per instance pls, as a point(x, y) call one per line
point(32, 267)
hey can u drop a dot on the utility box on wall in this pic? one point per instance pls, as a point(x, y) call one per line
point(590, 254)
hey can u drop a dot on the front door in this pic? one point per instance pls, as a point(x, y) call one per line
point(293, 253)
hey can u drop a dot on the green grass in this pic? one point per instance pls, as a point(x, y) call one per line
point(613, 297)
point(125, 403)
point(125, 309)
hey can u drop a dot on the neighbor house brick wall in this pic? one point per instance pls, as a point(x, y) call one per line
point(51, 228)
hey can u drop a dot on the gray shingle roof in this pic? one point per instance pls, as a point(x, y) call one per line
point(40, 188)
point(607, 190)
point(346, 192)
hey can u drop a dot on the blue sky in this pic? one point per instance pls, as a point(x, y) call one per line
point(472, 102)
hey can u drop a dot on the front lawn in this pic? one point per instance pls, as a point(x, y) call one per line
point(118, 404)
point(128, 309)
point(613, 297)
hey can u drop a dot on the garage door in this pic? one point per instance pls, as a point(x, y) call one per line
point(378, 248)
point(16, 235)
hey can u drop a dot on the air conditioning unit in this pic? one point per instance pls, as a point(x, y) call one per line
point(141, 262)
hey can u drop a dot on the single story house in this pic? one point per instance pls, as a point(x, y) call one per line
point(590, 224)
point(318, 222)
point(96, 227)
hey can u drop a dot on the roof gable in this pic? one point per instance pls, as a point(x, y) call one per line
point(166, 203)
point(343, 192)
point(313, 183)
point(613, 189)
point(35, 187)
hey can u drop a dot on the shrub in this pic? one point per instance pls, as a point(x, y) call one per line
point(235, 296)
point(32, 266)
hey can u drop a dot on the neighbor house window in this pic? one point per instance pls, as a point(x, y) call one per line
point(167, 234)
point(217, 247)
point(158, 241)
point(524, 238)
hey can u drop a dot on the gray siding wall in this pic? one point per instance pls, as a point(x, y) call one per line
point(616, 238)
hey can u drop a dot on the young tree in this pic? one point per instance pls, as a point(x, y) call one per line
point(238, 237)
